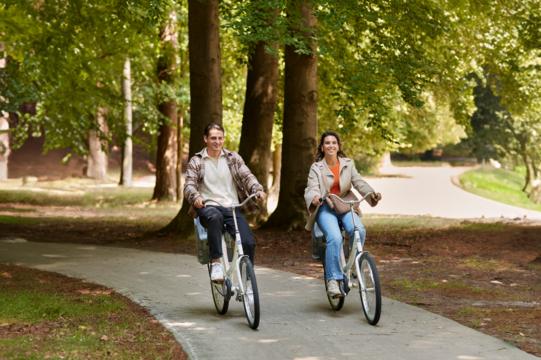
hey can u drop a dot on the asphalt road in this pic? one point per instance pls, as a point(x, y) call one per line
point(296, 320)
point(430, 191)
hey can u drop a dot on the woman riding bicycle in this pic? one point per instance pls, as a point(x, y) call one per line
point(334, 173)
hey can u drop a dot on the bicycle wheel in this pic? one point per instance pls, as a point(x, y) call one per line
point(336, 303)
point(370, 289)
point(250, 298)
point(221, 293)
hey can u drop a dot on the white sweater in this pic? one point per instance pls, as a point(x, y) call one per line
point(218, 183)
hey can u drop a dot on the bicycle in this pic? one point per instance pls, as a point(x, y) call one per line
point(368, 282)
point(222, 291)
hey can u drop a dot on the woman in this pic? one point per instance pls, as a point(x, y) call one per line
point(332, 166)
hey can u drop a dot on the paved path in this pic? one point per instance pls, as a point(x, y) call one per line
point(296, 322)
point(430, 191)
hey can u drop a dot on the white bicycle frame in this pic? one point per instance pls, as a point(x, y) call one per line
point(356, 244)
point(238, 251)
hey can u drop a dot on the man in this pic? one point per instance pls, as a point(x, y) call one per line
point(220, 174)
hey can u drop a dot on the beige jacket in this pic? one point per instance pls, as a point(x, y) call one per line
point(349, 177)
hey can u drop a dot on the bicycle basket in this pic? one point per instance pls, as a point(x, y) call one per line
point(202, 248)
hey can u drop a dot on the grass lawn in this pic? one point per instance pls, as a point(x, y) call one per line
point(45, 315)
point(500, 185)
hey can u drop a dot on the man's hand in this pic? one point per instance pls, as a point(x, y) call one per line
point(262, 195)
point(315, 201)
point(376, 197)
point(199, 203)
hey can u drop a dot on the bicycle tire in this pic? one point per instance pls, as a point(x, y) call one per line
point(336, 303)
point(221, 292)
point(369, 289)
point(250, 298)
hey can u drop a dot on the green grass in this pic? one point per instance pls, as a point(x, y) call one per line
point(105, 198)
point(500, 185)
point(373, 222)
point(27, 306)
point(66, 324)
point(17, 220)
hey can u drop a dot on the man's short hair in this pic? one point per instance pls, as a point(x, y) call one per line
point(213, 126)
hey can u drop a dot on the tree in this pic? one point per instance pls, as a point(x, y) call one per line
point(258, 115)
point(97, 158)
point(127, 146)
point(205, 86)
point(299, 128)
point(166, 155)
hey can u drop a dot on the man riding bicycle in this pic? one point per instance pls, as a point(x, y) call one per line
point(220, 174)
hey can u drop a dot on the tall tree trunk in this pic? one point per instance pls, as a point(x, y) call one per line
point(276, 173)
point(300, 132)
point(528, 171)
point(4, 144)
point(205, 87)
point(97, 159)
point(166, 154)
point(180, 142)
point(127, 147)
point(276, 165)
point(258, 117)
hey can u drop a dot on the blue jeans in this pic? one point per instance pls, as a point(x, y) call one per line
point(327, 220)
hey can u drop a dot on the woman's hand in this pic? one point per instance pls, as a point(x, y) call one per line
point(315, 201)
point(376, 197)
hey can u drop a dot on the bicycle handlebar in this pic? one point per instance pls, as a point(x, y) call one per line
point(347, 202)
point(233, 206)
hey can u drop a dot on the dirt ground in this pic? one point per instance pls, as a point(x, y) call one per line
point(144, 338)
point(485, 276)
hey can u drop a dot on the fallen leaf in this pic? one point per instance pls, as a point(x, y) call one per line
point(496, 282)
point(513, 284)
point(6, 275)
point(521, 334)
point(104, 338)
point(82, 327)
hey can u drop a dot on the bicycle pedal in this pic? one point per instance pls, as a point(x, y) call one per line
point(218, 281)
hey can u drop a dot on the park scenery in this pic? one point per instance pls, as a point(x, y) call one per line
point(103, 103)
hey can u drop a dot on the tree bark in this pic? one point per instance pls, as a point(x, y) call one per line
point(166, 154)
point(4, 145)
point(258, 117)
point(276, 165)
point(180, 141)
point(97, 159)
point(300, 132)
point(127, 147)
point(205, 87)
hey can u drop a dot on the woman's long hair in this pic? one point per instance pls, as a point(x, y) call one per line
point(320, 154)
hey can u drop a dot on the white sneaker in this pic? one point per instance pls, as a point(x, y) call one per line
point(216, 274)
point(332, 288)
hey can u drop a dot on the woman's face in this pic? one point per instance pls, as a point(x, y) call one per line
point(330, 146)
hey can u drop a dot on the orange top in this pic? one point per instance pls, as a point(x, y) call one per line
point(335, 189)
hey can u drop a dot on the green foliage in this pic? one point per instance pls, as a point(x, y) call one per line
point(375, 52)
point(70, 62)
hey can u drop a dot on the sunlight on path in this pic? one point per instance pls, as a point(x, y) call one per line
point(430, 191)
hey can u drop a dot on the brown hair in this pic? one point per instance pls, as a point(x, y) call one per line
point(320, 154)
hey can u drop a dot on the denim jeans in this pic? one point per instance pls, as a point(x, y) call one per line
point(327, 220)
point(213, 219)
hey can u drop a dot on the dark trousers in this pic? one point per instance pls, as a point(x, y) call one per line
point(213, 219)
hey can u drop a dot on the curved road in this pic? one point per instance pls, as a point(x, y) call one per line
point(296, 320)
point(430, 191)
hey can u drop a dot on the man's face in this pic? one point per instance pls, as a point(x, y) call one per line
point(215, 139)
